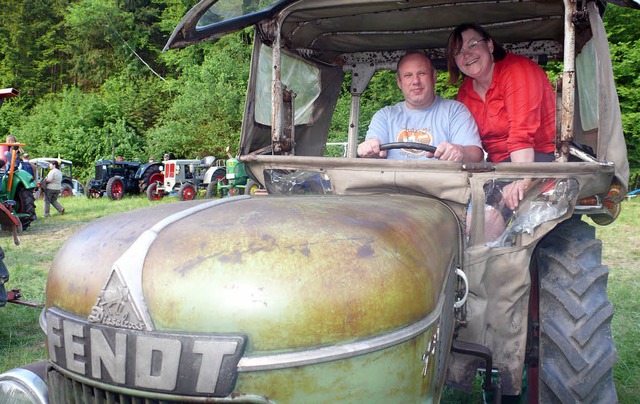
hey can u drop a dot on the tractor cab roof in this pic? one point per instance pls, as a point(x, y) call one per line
point(335, 32)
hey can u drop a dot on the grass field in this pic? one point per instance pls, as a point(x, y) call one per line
point(22, 342)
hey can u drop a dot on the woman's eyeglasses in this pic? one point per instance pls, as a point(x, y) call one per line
point(469, 47)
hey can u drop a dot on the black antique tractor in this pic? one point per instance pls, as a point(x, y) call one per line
point(115, 178)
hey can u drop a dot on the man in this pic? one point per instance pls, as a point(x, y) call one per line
point(53, 183)
point(423, 117)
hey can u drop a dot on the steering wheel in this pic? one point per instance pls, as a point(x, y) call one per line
point(408, 145)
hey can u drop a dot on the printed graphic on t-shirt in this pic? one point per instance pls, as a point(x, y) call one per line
point(416, 136)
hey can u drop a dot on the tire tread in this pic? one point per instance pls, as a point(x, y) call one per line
point(577, 353)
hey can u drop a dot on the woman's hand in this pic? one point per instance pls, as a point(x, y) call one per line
point(513, 193)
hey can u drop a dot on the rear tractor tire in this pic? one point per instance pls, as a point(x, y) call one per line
point(576, 350)
point(152, 175)
point(66, 190)
point(4, 277)
point(26, 204)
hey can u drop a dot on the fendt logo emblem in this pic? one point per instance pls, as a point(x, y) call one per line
point(170, 363)
point(115, 306)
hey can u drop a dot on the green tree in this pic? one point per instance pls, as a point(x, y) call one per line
point(31, 36)
point(623, 29)
point(72, 125)
point(206, 112)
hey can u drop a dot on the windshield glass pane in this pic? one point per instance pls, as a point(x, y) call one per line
point(225, 10)
point(586, 71)
point(299, 77)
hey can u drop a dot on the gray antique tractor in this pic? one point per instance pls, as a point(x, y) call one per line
point(185, 178)
point(354, 280)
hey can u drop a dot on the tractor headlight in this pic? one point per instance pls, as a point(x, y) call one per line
point(22, 386)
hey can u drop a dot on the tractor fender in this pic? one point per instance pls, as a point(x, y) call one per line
point(213, 172)
point(145, 167)
point(19, 177)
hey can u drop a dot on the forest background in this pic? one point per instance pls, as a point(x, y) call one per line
point(95, 83)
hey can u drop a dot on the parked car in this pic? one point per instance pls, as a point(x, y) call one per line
point(354, 280)
point(70, 186)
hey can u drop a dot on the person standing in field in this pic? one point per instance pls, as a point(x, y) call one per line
point(53, 183)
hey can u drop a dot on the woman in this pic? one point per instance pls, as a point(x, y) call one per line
point(509, 96)
point(6, 151)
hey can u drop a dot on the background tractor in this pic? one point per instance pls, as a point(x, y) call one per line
point(70, 186)
point(185, 178)
point(236, 181)
point(17, 185)
point(115, 178)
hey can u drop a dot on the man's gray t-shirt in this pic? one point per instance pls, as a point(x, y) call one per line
point(443, 121)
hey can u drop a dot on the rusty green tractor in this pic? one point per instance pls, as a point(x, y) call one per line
point(354, 280)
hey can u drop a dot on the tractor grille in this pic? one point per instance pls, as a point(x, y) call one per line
point(100, 173)
point(68, 391)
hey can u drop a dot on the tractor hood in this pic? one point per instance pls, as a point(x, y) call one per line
point(238, 258)
point(273, 275)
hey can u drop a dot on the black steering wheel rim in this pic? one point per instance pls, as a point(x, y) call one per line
point(408, 145)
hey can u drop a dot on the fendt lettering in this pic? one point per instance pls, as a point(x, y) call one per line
point(176, 363)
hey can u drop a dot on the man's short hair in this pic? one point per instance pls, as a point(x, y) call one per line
point(411, 53)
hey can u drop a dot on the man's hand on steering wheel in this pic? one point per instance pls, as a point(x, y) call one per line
point(445, 150)
point(449, 152)
point(371, 148)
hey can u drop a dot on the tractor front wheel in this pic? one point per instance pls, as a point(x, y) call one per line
point(115, 188)
point(212, 188)
point(153, 192)
point(90, 192)
point(187, 191)
point(251, 187)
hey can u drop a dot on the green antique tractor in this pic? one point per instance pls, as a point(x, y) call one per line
point(17, 185)
point(236, 181)
point(17, 207)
